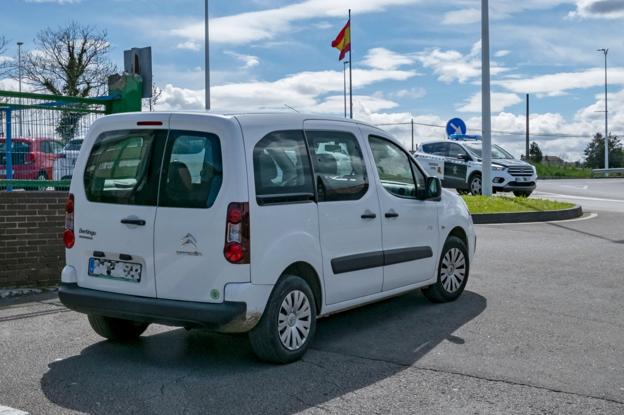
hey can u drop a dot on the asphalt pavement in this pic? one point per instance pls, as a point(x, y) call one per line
point(539, 330)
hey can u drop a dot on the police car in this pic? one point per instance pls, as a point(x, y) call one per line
point(457, 162)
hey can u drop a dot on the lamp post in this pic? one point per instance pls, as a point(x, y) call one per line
point(207, 56)
point(19, 80)
point(344, 79)
point(606, 111)
point(486, 113)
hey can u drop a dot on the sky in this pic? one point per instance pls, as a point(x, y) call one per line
point(412, 59)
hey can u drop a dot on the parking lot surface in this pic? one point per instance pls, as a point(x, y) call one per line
point(539, 330)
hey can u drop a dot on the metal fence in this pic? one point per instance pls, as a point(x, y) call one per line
point(40, 137)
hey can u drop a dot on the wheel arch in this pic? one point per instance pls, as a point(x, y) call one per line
point(307, 272)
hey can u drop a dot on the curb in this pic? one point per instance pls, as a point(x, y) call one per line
point(519, 217)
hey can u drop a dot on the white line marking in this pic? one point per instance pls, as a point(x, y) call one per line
point(598, 199)
point(5, 410)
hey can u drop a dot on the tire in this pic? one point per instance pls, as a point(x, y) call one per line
point(270, 339)
point(462, 192)
point(116, 329)
point(522, 193)
point(449, 288)
point(475, 185)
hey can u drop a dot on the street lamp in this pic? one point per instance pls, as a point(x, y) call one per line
point(486, 113)
point(207, 56)
point(344, 79)
point(19, 80)
point(606, 111)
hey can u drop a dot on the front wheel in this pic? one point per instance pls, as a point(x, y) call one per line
point(453, 272)
point(288, 323)
point(522, 193)
point(475, 184)
point(116, 329)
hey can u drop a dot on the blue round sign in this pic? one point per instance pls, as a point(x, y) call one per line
point(455, 126)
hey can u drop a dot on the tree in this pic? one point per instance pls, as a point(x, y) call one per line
point(150, 103)
point(5, 61)
point(594, 152)
point(535, 153)
point(69, 61)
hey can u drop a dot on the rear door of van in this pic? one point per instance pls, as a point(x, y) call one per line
point(203, 172)
point(115, 190)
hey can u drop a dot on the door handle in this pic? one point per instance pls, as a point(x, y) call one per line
point(392, 214)
point(133, 221)
point(368, 215)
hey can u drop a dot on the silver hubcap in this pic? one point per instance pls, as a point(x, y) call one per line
point(453, 270)
point(475, 185)
point(294, 320)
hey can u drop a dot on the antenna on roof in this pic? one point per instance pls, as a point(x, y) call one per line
point(288, 106)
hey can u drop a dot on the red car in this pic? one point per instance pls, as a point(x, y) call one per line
point(33, 158)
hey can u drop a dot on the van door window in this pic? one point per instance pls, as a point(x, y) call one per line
point(394, 168)
point(193, 171)
point(124, 167)
point(282, 169)
point(338, 164)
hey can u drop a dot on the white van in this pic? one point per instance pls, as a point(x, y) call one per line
point(249, 223)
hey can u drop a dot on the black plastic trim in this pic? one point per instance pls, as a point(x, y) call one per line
point(357, 262)
point(379, 258)
point(397, 256)
point(147, 309)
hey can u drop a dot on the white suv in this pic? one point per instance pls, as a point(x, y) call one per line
point(250, 223)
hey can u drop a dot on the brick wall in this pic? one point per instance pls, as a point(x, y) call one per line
point(31, 238)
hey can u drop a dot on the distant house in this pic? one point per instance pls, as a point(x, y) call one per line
point(553, 160)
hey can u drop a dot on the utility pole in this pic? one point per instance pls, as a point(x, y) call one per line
point(486, 113)
point(344, 79)
point(526, 154)
point(19, 76)
point(207, 57)
point(606, 111)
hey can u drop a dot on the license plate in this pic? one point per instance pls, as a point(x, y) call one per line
point(118, 270)
point(522, 179)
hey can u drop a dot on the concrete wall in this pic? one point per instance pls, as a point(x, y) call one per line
point(31, 238)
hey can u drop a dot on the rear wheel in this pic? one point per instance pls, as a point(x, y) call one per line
point(288, 323)
point(453, 272)
point(475, 184)
point(522, 193)
point(116, 329)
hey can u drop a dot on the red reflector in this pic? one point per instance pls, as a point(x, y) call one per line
point(144, 123)
point(233, 252)
point(235, 214)
point(69, 204)
point(68, 238)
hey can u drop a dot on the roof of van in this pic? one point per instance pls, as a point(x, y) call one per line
point(272, 116)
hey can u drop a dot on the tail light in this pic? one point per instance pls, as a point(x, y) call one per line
point(29, 158)
point(236, 249)
point(68, 235)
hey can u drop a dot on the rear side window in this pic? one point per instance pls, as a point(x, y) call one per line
point(193, 171)
point(124, 167)
point(338, 164)
point(19, 150)
point(282, 171)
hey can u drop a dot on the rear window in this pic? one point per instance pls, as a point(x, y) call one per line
point(19, 151)
point(122, 167)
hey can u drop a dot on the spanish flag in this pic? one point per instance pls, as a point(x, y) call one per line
point(343, 40)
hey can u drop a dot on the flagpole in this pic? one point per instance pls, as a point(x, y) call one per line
point(206, 57)
point(350, 75)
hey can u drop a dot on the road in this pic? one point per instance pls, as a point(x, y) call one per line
point(539, 330)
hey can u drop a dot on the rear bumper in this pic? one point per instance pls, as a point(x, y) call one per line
point(150, 310)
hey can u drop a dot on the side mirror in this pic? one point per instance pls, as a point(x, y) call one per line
point(433, 188)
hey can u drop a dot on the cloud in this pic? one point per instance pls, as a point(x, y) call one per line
point(248, 61)
point(413, 93)
point(54, 1)
point(605, 9)
point(501, 53)
point(499, 102)
point(559, 83)
point(6, 59)
point(381, 58)
point(452, 65)
point(268, 24)
point(189, 45)
point(305, 91)
point(463, 16)
point(499, 10)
